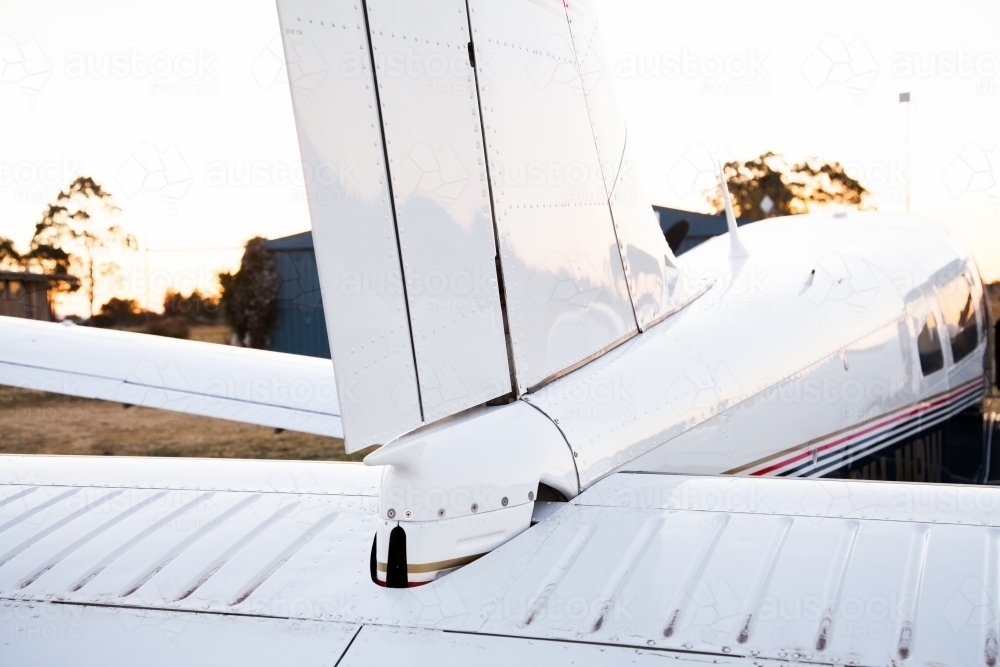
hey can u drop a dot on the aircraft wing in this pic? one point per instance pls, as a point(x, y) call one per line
point(240, 384)
point(181, 562)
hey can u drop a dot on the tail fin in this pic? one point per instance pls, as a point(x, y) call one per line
point(478, 224)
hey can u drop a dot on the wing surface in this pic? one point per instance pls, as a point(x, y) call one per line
point(239, 384)
point(639, 567)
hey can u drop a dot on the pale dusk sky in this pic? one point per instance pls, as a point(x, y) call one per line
point(190, 124)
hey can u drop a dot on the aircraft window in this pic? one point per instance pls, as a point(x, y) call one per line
point(929, 347)
point(959, 317)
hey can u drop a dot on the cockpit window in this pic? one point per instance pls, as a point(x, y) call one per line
point(960, 317)
point(929, 347)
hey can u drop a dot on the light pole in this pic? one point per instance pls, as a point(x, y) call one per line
point(904, 98)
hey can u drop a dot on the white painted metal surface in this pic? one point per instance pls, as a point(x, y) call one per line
point(567, 298)
point(480, 458)
point(431, 648)
point(698, 366)
point(655, 284)
point(812, 571)
point(430, 111)
point(816, 571)
point(252, 386)
point(136, 472)
point(340, 138)
point(45, 633)
point(464, 488)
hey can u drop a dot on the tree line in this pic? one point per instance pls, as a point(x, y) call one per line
point(75, 238)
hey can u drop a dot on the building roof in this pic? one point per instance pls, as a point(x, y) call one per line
point(34, 277)
point(702, 226)
point(300, 241)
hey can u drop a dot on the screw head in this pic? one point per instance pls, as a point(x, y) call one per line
point(407, 514)
point(531, 495)
point(504, 501)
point(475, 507)
point(440, 512)
point(391, 513)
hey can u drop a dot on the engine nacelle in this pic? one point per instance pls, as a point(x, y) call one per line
point(458, 489)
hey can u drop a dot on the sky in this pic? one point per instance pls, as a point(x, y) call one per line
point(182, 111)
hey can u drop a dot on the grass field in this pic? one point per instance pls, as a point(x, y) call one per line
point(33, 422)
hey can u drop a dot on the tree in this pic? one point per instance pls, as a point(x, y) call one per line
point(791, 188)
point(10, 258)
point(248, 296)
point(195, 307)
point(71, 234)
point(122, 312)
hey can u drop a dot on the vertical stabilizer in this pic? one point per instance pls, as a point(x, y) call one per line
point(478, 223)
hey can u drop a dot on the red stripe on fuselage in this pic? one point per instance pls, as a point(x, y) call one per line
point(958, 393)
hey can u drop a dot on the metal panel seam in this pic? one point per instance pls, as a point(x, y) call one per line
point(583, 362)
point(348, 647)
point(501, 285)
point(392, 203)
point(189, 392)
point(597, 150)
point(572, 454)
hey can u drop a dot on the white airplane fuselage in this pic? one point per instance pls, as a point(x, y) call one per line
point(810, 356)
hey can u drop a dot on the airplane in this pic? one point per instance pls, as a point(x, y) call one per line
point(590, 451)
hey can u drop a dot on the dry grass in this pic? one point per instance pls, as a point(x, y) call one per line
point(211, 333)
point(206, 333)
point(33, 422)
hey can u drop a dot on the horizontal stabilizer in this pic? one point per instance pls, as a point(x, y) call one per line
point(272, 389)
